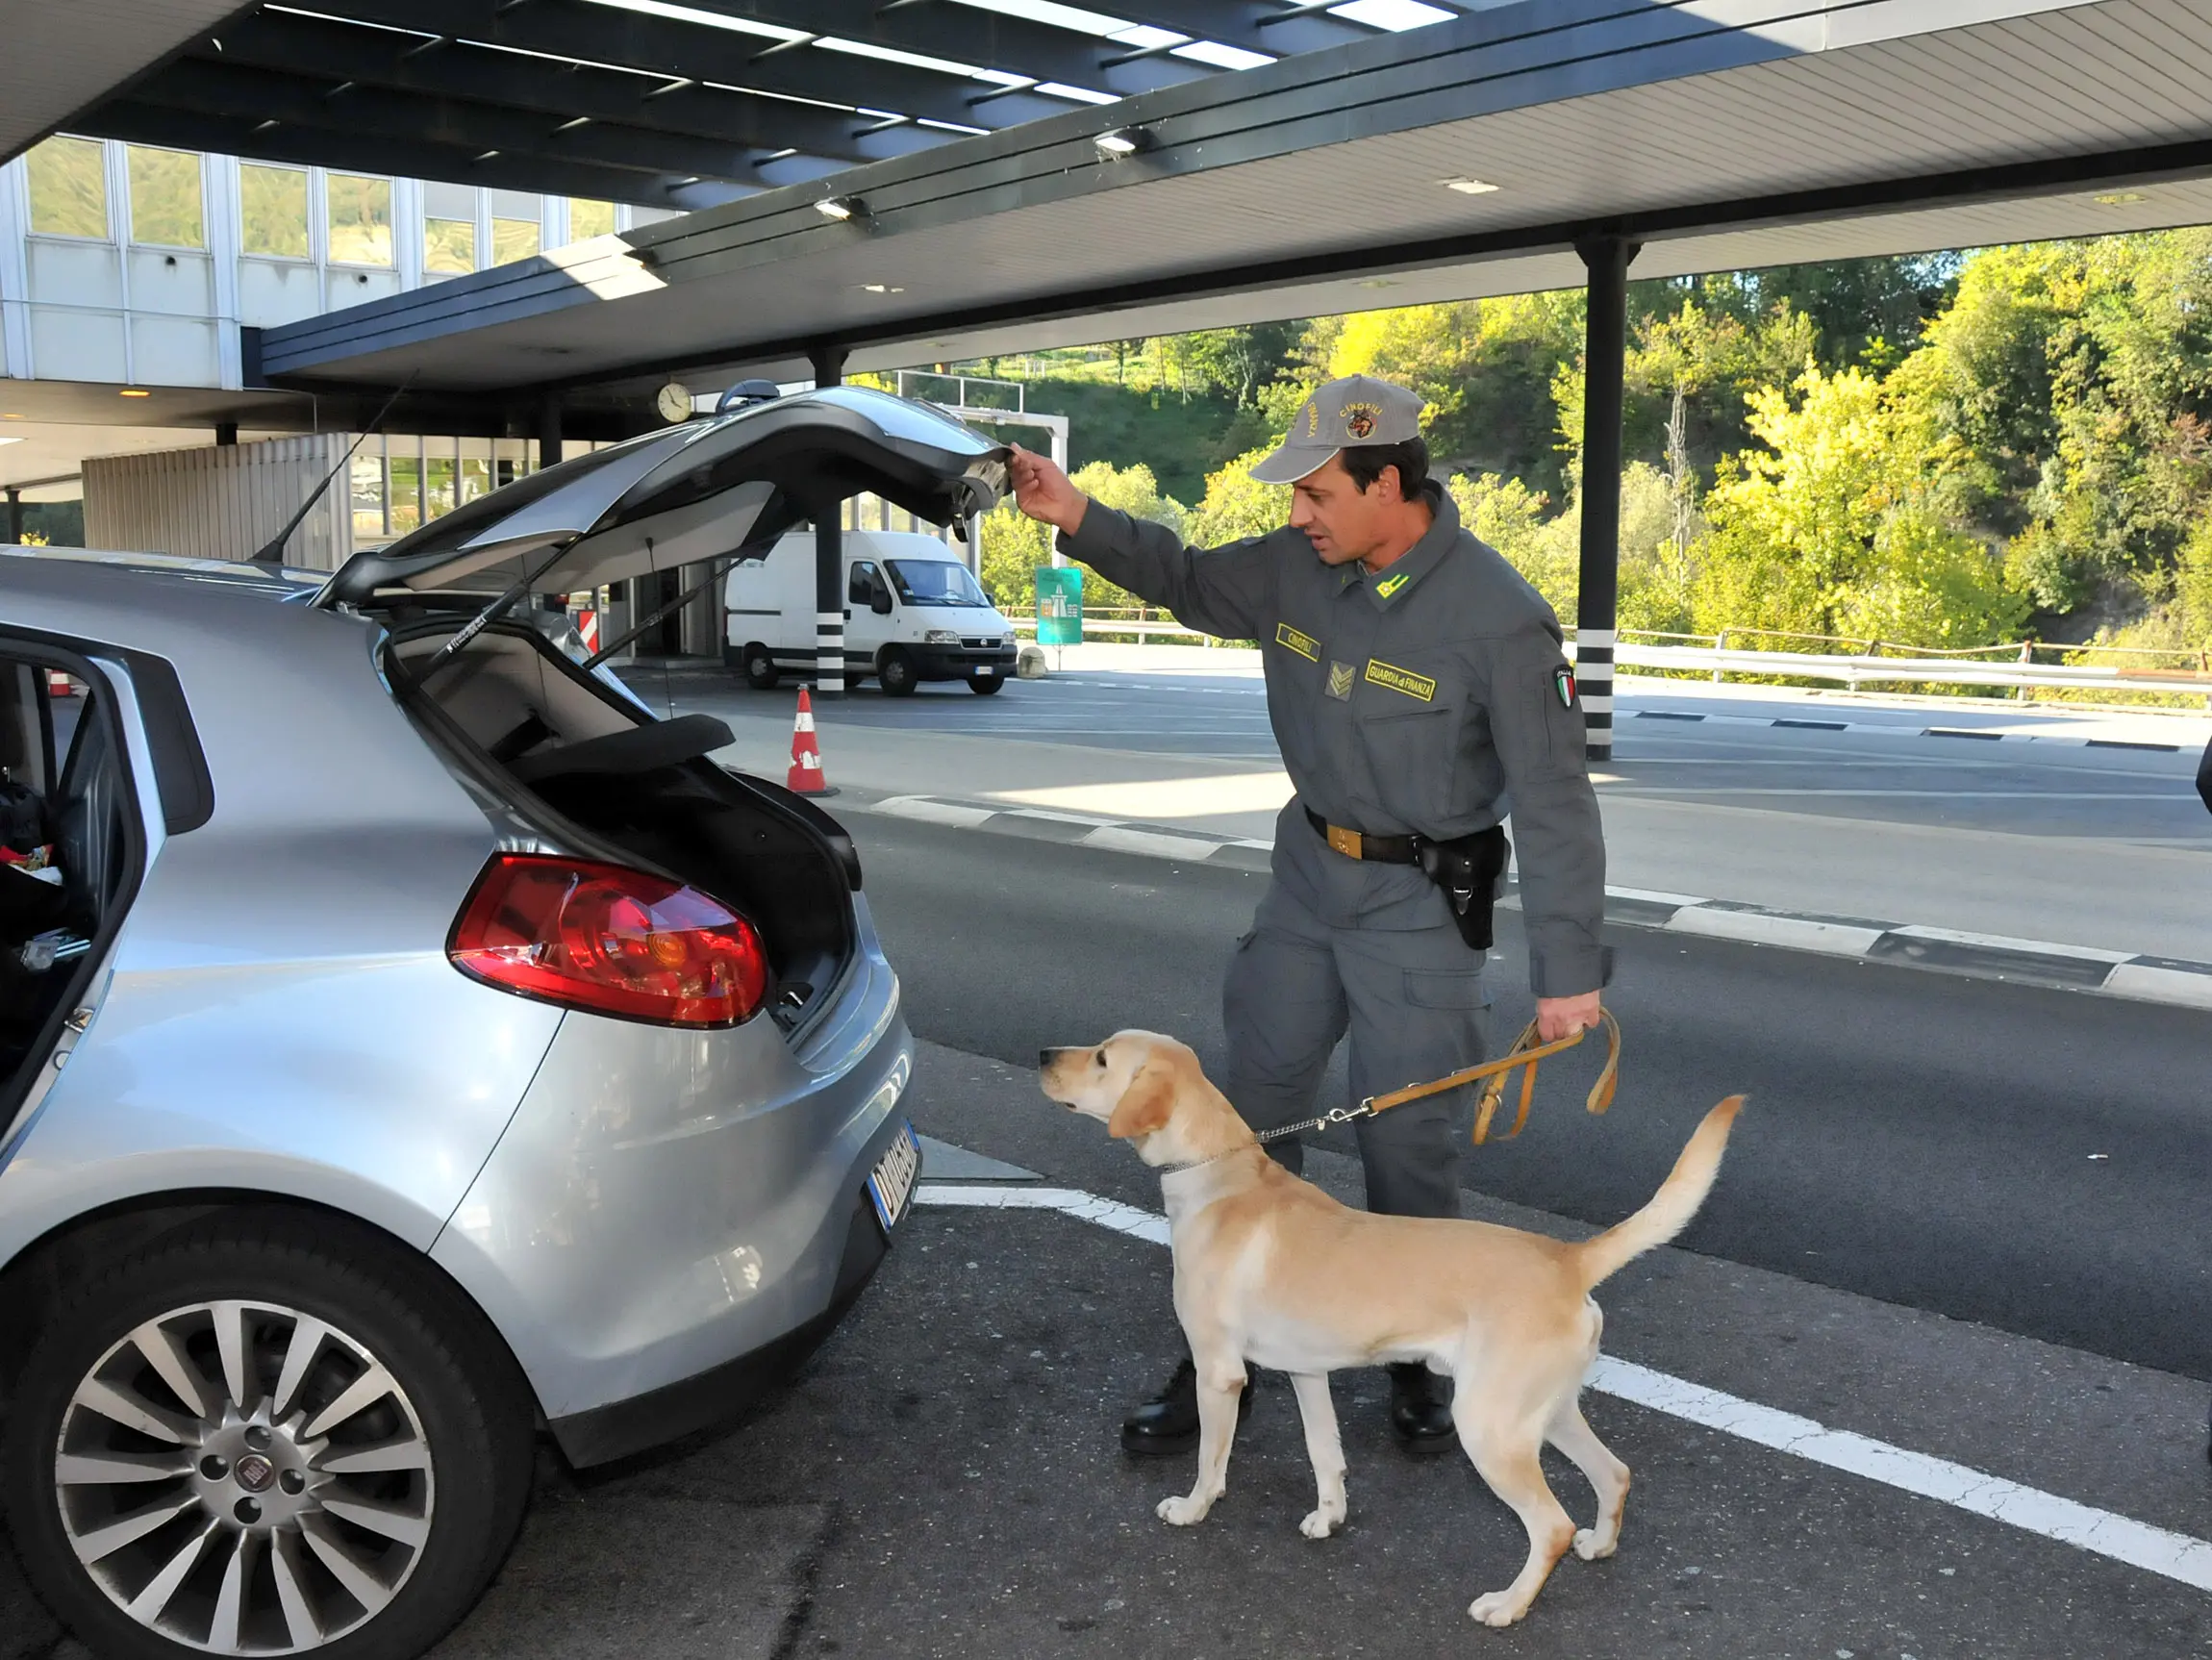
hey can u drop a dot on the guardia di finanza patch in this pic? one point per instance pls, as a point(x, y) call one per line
point(1401, 680)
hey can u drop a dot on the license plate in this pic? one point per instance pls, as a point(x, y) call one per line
point(892, 1185)
point(985, 673)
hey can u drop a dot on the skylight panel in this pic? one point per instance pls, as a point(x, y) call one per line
point(705, 19)
point(1219, 57)
point(1394, 16)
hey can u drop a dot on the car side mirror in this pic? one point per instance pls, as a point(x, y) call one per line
point(879, 603)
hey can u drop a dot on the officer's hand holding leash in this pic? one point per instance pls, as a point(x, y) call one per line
point(1557, 1017)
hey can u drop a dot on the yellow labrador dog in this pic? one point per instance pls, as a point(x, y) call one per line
point(1271, 1272)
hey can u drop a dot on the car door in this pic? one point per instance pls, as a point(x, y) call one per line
point(865, 627)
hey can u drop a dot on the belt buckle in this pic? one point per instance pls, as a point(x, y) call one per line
point(1345, 841)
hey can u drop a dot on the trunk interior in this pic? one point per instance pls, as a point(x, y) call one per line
point(567, 752)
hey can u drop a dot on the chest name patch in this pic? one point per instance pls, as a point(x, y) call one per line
point(1304, 644)
point(1401, 680)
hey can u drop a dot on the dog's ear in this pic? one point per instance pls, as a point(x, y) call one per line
point(1146, 1104)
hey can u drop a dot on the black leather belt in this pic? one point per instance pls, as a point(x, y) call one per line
point(1374, 849)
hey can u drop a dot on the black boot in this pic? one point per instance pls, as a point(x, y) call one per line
point(1168, 1423)
point(1421, 1409)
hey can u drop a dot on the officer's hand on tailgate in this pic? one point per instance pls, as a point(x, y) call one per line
point(1557, 1017)
point(1042, 491)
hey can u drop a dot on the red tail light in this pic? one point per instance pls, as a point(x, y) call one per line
point(611, 940)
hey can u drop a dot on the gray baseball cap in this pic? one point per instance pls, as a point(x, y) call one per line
point(1343, 414)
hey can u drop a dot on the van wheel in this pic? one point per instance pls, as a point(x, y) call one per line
point(255, 1436)
point(760, 667)
point(985, 687)
point(896, 674)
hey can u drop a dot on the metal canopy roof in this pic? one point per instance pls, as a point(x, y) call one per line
point(682, 105)
point(1721, 134)
point(62, 55)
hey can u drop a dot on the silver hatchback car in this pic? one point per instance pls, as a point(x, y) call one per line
point(408, 1043)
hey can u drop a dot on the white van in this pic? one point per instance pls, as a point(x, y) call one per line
point(912, 613)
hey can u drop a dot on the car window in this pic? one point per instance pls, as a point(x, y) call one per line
point(935, 581)
point(860, 588)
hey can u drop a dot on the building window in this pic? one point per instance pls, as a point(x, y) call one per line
point(449, 245)
point(406, 494)
point(69, 188)
point(166, 198)
point(360, 220)
point(367, 480)
point(513, 239)
point(589, 218)
point(475, 477)
point(437, 478)
point(272, 211)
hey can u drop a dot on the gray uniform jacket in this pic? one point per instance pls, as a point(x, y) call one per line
point(1432, 698)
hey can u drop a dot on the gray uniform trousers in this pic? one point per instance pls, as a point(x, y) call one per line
point(1415, 1006)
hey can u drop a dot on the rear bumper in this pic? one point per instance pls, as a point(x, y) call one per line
point(667, 1205)
point(727, 1391)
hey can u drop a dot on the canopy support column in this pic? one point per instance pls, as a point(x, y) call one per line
point(828, 359)
point(1597, 600)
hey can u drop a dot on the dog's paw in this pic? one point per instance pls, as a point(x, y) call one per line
point(1321, 1524)
point(1498, 1608)
point(1183, 1511)
point(1591, 1547)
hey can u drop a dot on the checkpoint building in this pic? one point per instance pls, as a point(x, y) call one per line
point(523, 224)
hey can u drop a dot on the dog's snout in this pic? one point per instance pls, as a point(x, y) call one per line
point(1044, 1057)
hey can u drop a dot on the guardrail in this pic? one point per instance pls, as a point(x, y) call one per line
point(1972, 667)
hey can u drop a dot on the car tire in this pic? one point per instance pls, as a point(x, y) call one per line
point(759, 666)
point(985, 687)
point(351, 1501)
point(896, 673)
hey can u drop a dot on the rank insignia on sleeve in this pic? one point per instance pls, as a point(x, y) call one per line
point(1563, 684)
point(1299, 641)
point(1340, 685)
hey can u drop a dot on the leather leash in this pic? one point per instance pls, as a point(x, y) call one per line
point(1523, 1057)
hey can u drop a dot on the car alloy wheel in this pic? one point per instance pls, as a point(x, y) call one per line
point(244, 1478)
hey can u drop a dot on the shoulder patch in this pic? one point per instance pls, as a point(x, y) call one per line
point(1563, 685)
point(1401, 680)
point(1303, 644)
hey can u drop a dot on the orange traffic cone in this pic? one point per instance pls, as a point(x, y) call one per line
point(806, 776)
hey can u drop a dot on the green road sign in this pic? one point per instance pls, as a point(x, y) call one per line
point(1060, 605)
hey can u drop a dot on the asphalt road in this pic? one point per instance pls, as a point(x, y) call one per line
point(2037, 1161)
point(1893, 776)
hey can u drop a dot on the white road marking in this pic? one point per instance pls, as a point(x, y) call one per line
point(2102, 1533)
point(1757, 928)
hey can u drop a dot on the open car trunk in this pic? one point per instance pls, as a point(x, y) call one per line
point(566, 748)
point(574, 757)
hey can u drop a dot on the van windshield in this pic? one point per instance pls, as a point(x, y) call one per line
point(934, 582)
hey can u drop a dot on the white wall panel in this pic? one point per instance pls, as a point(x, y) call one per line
point(175, 351)
point(76, 273)
point(353, 288)
point(72, 345)
point(175, 283)
point(273, 291)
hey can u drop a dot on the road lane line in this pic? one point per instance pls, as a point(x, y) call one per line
point(2158, 1550)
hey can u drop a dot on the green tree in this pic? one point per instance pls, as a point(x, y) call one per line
point(1015, 545)
point(1836, 526)
point(1235, 505)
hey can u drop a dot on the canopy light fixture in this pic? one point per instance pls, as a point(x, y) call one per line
point(1468, 187)
point(134, 393)
point(2120, 199)
point(842, 208)
point(1116, 143)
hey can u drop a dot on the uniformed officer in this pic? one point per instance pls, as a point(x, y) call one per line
point(1419, 694)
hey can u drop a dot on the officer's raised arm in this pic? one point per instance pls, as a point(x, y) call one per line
point(1536, 725)
point(1226, 592)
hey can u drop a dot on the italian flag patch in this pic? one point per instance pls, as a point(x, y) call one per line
point(1562, 684)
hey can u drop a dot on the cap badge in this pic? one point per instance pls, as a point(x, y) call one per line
point(1360, 419)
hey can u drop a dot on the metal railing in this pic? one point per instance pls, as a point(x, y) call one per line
point(1867, 663)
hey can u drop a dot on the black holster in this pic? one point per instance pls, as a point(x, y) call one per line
point(1468, 869)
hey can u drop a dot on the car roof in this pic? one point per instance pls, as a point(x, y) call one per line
point(100, 564)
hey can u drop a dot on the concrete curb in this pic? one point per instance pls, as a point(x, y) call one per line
point(1893, 730)
point(1910, 946)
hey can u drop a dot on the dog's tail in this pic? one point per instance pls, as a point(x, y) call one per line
point(1671, 1208)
